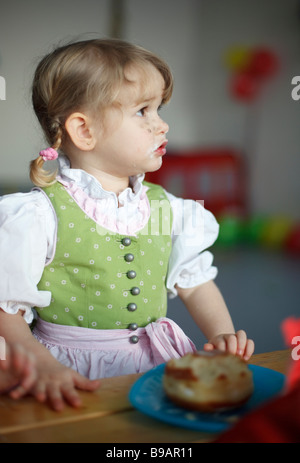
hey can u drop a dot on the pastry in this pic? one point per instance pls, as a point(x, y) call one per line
point(208, 381)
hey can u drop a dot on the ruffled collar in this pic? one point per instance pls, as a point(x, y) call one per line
point(93, 188)
point(126, 213)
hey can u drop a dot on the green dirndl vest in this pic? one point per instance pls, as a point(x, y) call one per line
point(103, 280)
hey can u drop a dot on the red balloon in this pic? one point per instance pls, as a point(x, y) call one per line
point(263, 63)
point(245, 86)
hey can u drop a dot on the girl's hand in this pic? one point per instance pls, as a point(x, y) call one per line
point(235, 343)
point(38, 373)
point(58, 385)
point(17, 370)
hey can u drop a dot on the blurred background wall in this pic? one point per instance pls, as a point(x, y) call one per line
point(194, 36)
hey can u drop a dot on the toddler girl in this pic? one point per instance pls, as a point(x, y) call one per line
point(94, 248)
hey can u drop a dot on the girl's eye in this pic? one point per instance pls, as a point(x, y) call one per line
point(141, 112)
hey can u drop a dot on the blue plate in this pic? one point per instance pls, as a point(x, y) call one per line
point(148, 396)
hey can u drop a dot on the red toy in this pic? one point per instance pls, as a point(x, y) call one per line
point(278, 421)
point(293, 241)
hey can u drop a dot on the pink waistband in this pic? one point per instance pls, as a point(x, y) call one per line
point(165, 337)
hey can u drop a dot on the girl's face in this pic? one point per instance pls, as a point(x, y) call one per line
point(134, 140)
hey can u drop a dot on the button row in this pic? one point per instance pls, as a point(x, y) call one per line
point(131, 274)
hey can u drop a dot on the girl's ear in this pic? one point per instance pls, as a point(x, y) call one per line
point(79, 128)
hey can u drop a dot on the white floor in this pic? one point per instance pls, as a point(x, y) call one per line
point(261, 289)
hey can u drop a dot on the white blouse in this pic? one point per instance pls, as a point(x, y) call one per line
point(28, 226)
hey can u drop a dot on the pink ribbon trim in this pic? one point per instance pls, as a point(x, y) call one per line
point(167, 340)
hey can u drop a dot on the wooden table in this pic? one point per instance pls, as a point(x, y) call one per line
point(106, 416)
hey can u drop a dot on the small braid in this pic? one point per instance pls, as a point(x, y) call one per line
point(38, 175)
point(58, 136)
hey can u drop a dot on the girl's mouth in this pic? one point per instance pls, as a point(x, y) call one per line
point(161, 150)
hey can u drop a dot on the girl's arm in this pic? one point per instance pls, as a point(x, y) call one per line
point(208, 309)
point(55, 382)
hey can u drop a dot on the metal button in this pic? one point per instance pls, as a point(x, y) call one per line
point(126, 241)
point(129, 257)
point(133, 326)
point(135, 291)
point(134, 339)
point(131, 274)
point(131, 307)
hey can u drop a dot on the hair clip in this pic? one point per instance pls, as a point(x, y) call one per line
point(49, 154)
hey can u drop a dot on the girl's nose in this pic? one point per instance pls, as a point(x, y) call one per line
point(162, 127)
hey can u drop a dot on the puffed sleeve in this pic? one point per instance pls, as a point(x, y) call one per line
point(194, 230)
point(26, 229)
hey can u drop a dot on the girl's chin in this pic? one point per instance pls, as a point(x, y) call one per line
point(156, 163)
point(152, 166)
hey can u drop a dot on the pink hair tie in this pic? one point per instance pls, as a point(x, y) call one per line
point(49, 154)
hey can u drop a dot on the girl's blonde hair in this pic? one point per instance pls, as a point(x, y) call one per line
point(85, 75)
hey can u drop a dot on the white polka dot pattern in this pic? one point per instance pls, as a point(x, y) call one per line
point(89, 276)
